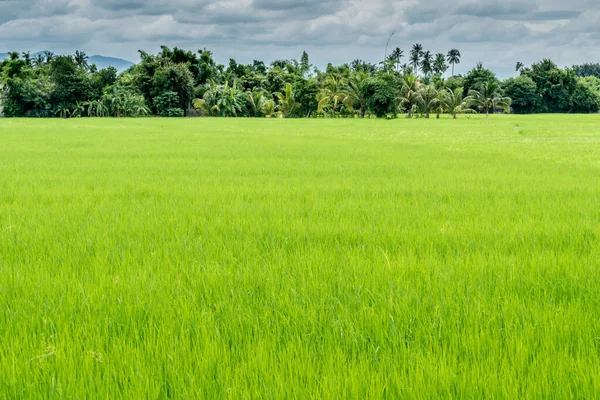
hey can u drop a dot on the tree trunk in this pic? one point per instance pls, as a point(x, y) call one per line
point(454, 116)
point(487, 114)
point(452, 69)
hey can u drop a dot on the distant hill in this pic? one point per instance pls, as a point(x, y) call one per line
point(100, 61)
point(104, 62)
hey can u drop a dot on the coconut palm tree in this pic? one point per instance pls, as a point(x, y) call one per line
point(453, 58)
point(256, 100)
point(427, 63)
point(268, 108)
point(208, 102)
point(361, 66)
point(38, 61)
point(519, 67)
point(287, 101)
point(27, 57)
point(389, 64)
point(441, 104)
point(456, 103)
point(428, 99)
point(407, 69)
point(439, 64)
point(280, 64)
point(355, 98)
point(397, 55)
point(49, 56)
point(415, 56)
point(81, 59)
point(332, 93)
point(490, 96)
point(409, 94)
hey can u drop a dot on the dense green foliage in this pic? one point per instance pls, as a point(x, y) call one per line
point(325, 259)
point(544, 88)
point(178, 82)
point(588, 69)
point(524, 94)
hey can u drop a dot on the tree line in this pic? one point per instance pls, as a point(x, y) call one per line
point(176, 83)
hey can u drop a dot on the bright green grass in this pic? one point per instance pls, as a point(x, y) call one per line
point(329, 259)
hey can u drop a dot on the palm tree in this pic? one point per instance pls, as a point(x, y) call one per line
point(49, 56)
point(256, 101)
point(204, 105)
point(415, 56)
point(27, 57)
point(355, 98)
point(38, 61)
point(81, 59)
point(361, 66)
point(441, 104)
point(489, 96)
point(389, 64)
point(453, 58)
point(280, 64)
point(456, 103)
point(333, 91)
point(427, 63)
point(208, 102)
point(287, 101)
point(439, 64)
point(428, 99)
point(268, 108)
point(409, 94)
point(397, 55)
point(519, 67)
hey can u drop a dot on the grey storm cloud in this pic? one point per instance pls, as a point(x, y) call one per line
point(18, 9)
point(498, 33)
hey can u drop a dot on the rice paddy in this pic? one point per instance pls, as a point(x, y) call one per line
point(326, 259)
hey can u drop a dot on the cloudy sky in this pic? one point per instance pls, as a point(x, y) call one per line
point(495, 32)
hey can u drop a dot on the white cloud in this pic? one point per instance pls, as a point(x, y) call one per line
point(496, 33)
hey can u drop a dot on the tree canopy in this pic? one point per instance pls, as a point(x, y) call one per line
point(177, 82)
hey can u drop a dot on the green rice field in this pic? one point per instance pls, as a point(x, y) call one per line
point(299, 259)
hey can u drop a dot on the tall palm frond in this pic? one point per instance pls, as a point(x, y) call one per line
point(489, 96)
